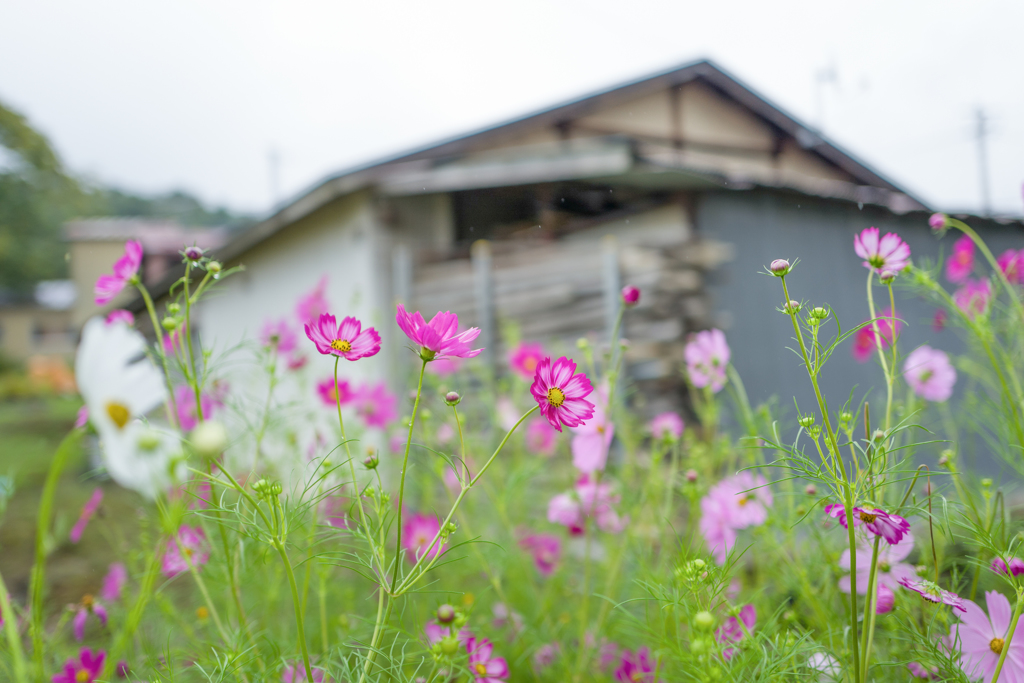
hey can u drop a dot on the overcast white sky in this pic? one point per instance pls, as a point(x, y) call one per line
point(194, 94)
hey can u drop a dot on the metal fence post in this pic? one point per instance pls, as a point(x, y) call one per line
point(483, 281)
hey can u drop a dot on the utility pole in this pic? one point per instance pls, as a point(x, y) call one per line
point(981, 131)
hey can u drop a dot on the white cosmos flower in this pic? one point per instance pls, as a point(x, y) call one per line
point(120, 385)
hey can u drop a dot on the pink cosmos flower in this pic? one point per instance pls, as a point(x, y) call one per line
point(114, 582)
point(960, 263)
point(982, 638)
point(435, 633)
point(864, 341)
point(190, 546)
point(126, 268)
point(917, 670)
point(546, 550)
point(540, 437)
point(440, 338)
point(1011, 262)
point(119, 315)
point(278, 334)
point(707, 356)
point(973, 297)
point(593, 438)
point(508, 414)
point(890, 527)
point(376, 405)
point(525, 358)
point(890, 570)
point(545, 656)
point(885, 600)
point(417, 533)
point(88, 510)
point(889, 253)
point(89, 605)
point(82, 418)
point(666, 427)
point(503, 617)
point(296, 673)
point(565, 509)
point(732, 632)
point(334, 511)
point(930, 374)
point(332, 394)
point(172, 342)
point(1016, 566)
point(932, 592)
point(485, 667)
point(939, 320)
point(716, 527)
point(561, 393)
point(444, 367)
point(83, 669)
point(348, 340)
point(636, 667)
point(185, 401)
point(312, 305)
point(445, 433)
point(297, 361)
point(747, 498)
point(588, 500)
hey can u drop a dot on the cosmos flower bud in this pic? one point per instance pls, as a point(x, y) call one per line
point(780, 267)
point(807, 421)
point(371, 461)
point(886, 277)
point(209, 439)
point(170, 323)
point(819, 313)
point(148, 440)
point(445, 614)
point(173, 309)
point(452, 398)
point(938, 221)
point(704, 620)
point(213, 268)
point(792, 306)
point(811, 490)
point(630, 295)
point(691, 476)
point(582, 343)
point(878, 435)
point(193, 253)
point(450, 646)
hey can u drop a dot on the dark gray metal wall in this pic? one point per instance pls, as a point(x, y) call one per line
point(764, 225)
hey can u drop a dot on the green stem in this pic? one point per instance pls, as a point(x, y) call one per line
point(1009, 635)
point(401, 485)
point(159, 332)
point(60, 460)
point(279, 545)
point(348, 453)
point(131, 624)
point(11, 631)
point(870, 608)
point(196, 384)
point(581, 658)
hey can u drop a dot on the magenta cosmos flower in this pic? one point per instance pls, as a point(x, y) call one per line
point(125, 269)
point(960, 263)
point(278, 334)
point(546, 550)
point(83, 669)
point(376, 405)
point(185, 402)
point(88, 510)
point(440, 338)
point(930, 374)
point(973, 297)
point(348, 340)
point(666, 427)
point(887, 253)
point(485, 667)
point(417, 533)
point(890, 527)
point(296, 673)
point(190, 546)
point(636, 667)
point(311, 305)
point(540, 437)
point(982, 639)
point(1016, 566)
point(917, 670)
point(524, 359)
point(890, 571)
point(592, 439)
point(707, 356)
point(630, 295)
point(561, 393)
point(114, 582)
point(932, 592)
point(88, 606)
point(332, 394)
point(864, 341)
point(589, 499)
point(120, 315)
point(1011, 262)
point(732, 631)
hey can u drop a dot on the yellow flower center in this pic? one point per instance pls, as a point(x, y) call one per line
point(341, 345)
point(187, 552)
point(556, 396)
point(996, 645)
point(741, 502)
point(87, 601)
point(481, 669)
point(119, 413)
point(202, 612)
point(82, 676)
point(868, 517)
point(637, 676)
